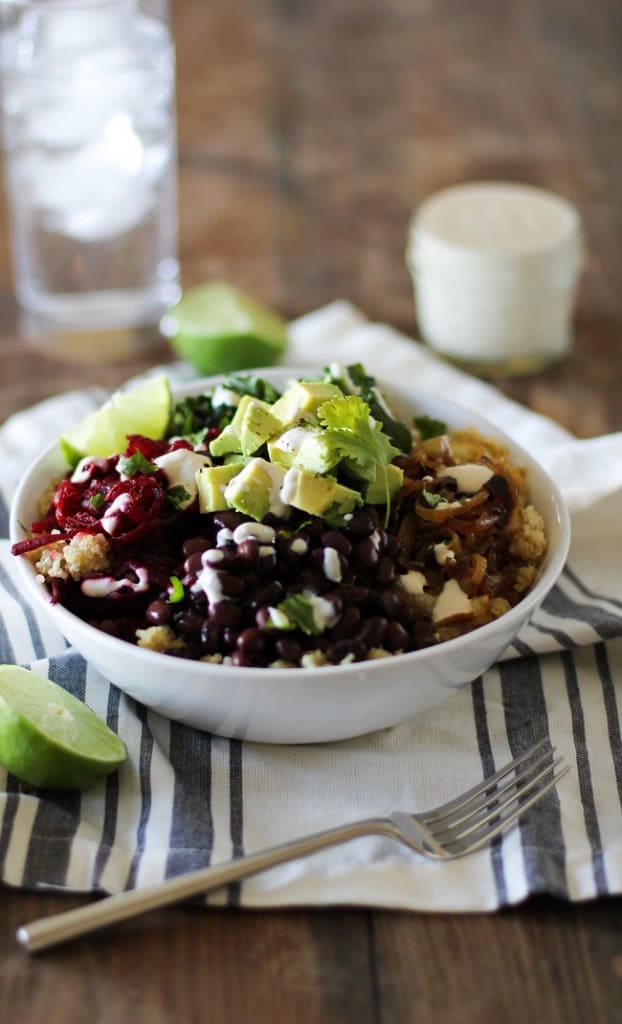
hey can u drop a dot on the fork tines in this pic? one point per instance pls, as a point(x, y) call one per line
point(472, 820)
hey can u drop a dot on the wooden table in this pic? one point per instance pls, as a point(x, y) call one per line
point(307, 134)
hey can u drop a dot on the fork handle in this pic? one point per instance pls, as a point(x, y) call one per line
point(58, 928)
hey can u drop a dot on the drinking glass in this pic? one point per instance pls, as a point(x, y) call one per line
point(88, 114)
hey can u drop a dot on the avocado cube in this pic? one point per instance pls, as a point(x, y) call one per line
point(302, 399)
point(212, 482)
point(318, 495)
point(255, 489)
point(374, 493)
point(305, 447)
point(251, 426)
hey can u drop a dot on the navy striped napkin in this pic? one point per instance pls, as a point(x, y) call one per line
point(186, 799)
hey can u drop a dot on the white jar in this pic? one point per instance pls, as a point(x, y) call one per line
point(495, 268)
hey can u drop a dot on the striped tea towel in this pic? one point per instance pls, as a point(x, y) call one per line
point(186, 799)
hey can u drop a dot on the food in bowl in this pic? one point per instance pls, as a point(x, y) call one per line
point(301, 527)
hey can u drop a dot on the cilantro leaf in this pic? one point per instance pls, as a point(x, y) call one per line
point(97, 500)
point(136, 463)
point(351, 428)
point(358, 437)
point(429, 427)
point(178, 496)
point(354, 380)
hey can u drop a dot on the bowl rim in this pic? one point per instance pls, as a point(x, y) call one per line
point(521, 612)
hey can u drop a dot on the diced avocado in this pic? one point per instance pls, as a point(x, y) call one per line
point(235, 458)
point(302, 399)
point(251, 426)
point(375, 493)
point(305, 447)
point(255, 489)
point(212, 482)
point(318, 494)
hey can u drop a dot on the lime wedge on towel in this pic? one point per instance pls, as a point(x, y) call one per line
point(48, 738)
point(144, 409)
point(218, 328)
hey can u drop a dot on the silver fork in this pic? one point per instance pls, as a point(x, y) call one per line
point(457, 828)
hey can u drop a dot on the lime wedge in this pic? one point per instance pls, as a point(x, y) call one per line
point(218, 329)
point(48, 738)
point(144, 409)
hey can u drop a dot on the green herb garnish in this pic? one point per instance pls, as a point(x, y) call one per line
point(176, 592)
point(178, 496)
point(257, 387)
point(136, 463)
point(97, 500)
point(298, 610)
point(429, 427)
point(357, 436)
point(358, 381)
point(431, 498)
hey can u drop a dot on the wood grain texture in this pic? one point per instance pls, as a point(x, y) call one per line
point(308, 132)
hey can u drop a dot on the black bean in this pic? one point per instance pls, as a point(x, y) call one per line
point(266, 594)
point(396, 638)
point(230, 585)
point(194, 564)
point(338, 541)
point(313, 579)
point(386, 571)
point(262, 617)
point(381, 540)
point(189, 623)
point(337, 571)
point(360, 525)
point(393, 547)
point(288, 649)
point(225, 558)
point(334, 598)
point(241, 659)
point(248, 550)
point(251, 641)
point(352, 593)
point(289, 548)
point(341, 649)
point(114, 627)
point(390, 604)
point(210, 638)
point(371, 633)
point(347, 624)
point(359, 650)
point(270, 519)
point(267, 559)
point(229, 638)
point(367, 553)
point(195, 545)
point(407, 614)
point(226, 613)
point(159, 613)
point(228, 519)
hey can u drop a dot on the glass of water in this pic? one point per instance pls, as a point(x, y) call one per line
point(88, 105)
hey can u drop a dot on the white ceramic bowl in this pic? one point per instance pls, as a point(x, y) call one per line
point(303, 705)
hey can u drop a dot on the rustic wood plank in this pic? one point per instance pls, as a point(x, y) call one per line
point(545, 961)
point(192, 964)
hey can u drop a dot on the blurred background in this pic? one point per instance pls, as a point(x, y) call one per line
point(309, 132)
